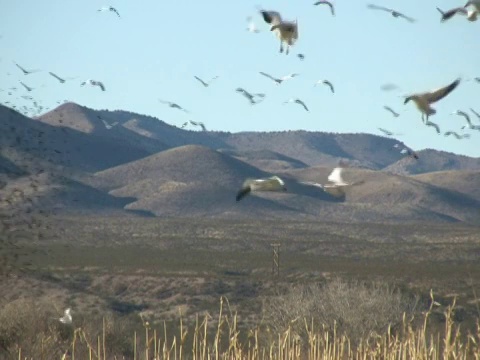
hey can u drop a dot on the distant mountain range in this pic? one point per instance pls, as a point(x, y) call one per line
point(144, 165)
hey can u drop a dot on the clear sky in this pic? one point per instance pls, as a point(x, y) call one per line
point(156, 47)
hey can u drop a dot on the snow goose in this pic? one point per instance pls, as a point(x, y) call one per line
point(327, 83)
point(278, 81)
point(67, 317)
point(26, 72)
point(173, 105)
point(286, 31)
point(337, 184)
point(456, 135)
point(206, 83)
point(297, 101)
point(94, 83)
point(109, 126)
point(434, 125)
point(109, 8)
point(273, 183)
point(467, 118)
point(198, 123)
point(393, 112)
point(395, 14)
point(424, 100)
point(253, 98)
point(325, 2)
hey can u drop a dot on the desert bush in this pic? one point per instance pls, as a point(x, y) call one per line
point(356, 309)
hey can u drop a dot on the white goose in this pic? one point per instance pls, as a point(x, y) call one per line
point(67, 317)
point(424, 100)
point(297, 101)
point(337, 184)
point(286, 31)
point(327, 83)
point(94, 83)
point(273, 183)
point(467, 118)
point(278, 81)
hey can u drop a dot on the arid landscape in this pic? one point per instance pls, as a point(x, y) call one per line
point(142, 218)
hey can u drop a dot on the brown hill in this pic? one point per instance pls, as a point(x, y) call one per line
point(433, 160)
point(465, 182)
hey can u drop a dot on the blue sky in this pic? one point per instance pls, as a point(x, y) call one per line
point(157, 47)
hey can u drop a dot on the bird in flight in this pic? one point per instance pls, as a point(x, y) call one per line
point(394, 13)
point(59, 78)
point(447, 15)
point(67, 317)
point(109, 126)
point(173, 105)
point(459, 137)
point(325, 2)
point(387, 132)
point(253, 98)
point(424, 100)
point(273, 183)
point(326, 82)
point(338, 185)
point(109, 8)
point(26, 87)
point(198, 123)
point(251, 26)
point(407, 150)
point(297, 101)
point(278, 81)
point(393, 112)
point(93, 83)
point(26, 72)
point(206, 84)
point(467, 118)
point(286, 31)
point(434, 125)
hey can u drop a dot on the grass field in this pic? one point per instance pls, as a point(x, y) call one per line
point(159, 268)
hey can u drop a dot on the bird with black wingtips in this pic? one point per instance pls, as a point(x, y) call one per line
point(297, 101)
point(173, 105)
point(28, 88)
point(325, 2)
point(286, 31)
point(448, 14)
point(467, 119)
point(26, 72)
point(253, 98)
point(273, 183)
point(394, 13)
point(424, 100)
point(327, 83)
point(206, 83)
point(456, 135)
point(278, 81)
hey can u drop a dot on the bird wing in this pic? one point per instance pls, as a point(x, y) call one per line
point(432, 124)
point(328, 83)
point(386, 132)
point(332, 9)
point(21, 68)
point(298, 101)
point(465, 115)
point(474, 3)
point(165, 102)
point(336, 176)
point(203, 82)
point(203, 127)
point(388, 108)
point(99, 83)
point(474, 112)
point(271, 17)
point(446, 15)
point(376, 7)
point(440, 93)
point(408, 18)
point(269, 76)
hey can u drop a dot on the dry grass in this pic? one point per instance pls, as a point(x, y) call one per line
point(219, 337)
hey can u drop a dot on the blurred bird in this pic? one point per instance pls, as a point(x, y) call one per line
point(434, 125)
point(394, 13)
point(94, 83)
point(325, 2)
point(273, 183)
point(326, 82)
point(456, 135)
point(109, 8)
point(206, 84)
point(296, 101)
point(253, 98)
point(26, 87)
point(251, 26)
point(26, 72)
point(286, 31)
point(173, 105)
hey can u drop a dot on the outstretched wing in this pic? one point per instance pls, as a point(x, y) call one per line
point(336, 176)
point(268, 76)
point(329, 84)
point(376, 7)
point(439, 94)
point(203, 82)
point(332, 9)
point(244, 191)
point(271, 17)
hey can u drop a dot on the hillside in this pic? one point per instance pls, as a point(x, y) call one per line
point(433, 160)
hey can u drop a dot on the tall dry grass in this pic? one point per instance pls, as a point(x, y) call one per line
point(225, 341)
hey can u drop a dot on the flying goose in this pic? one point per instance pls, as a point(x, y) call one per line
point(93, 83)
point(286, 31)
point(251, 26)
point(67, 317)
point(467, 118)
point(59, 78)
point(407, 150)
point(434, 125)
point(109, 8)
point(26, 72)
point(273, 183)
point(387, 132)
point(325, 2)
point(253, 98)
point(198, 123)
point(26, 87)
point(447, 15)
point(394, 13)
point(394, 113)
point(297, 101)
point(337, 184)
point(173, 105)
point(282, 79)
point(459, 137)
point(327, 83)
point(109, 126)
point(206, 84)
point(424, 100)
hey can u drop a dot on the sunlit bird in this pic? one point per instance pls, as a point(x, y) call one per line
point(109, 126)
point(296, 101)
point(273, 183)
point(28, 88)
point(388, 132)
point(278, 81)
point(424, 100)
point(325, 2)
point(109, 8)
point(394, 13)
point(467, 119)
point(327, 83)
